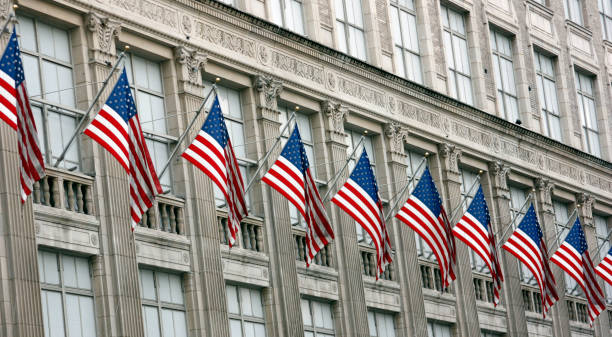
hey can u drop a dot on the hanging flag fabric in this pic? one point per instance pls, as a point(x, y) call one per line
point(16, 111)
point(574, 258)
point(424, 213)
point(117, 129)
point(474, 229)
point(527, 244)
point(604, 268)
point(359, 198)
point(290, 176)
point(211, 151)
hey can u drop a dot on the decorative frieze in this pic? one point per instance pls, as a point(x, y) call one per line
point(225, 39)
point(291, 65)
point(151, 10)
point(362, 92)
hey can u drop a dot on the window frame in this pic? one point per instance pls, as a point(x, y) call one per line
point(504, 92)
point(571, 15)
point(158, 304)
point(347, 25)
point(404, 50)
point(241, 317)
point(313, 328)
point(282, 4)
point(375, 314)
point(46, 106)
point(546, 112)
point(582, 96)
point(605, 15)
point(445, 10)
point(64, 290)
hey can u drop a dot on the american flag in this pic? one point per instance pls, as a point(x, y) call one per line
point(474, 229)
point(604, 268)
point(574, 258)
point(359, 198)
point(424, 213)
point(15, 110)
point(212, 152)
point(527, 244)
point(290, 176)
point(117, 129)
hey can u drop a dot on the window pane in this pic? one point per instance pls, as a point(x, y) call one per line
point(26, 32)
point(372, 324)
point(147, 285)
point(53, 310)
point(306, 316)
point(245, 302)
point(341, 36)
point(32, 75)
point(69, 271)
point(140, 71)
point(45, 39)
point(80, 316)
point(298, 18)
point(151, 321)
point(232, 299)
point(235, 328)
point(49, 268)
point(256, 303)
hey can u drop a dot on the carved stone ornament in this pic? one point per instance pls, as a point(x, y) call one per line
point(191, 62)
point(397, 135)
point(104, 31)
point(451, 155)
point(270, 88)
point(545, 187)
point(500, 172)
point(586, 203)
point(336, 114)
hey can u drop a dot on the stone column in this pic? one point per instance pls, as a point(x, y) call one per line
point(283, 279)
point(499, 206)
point(585, 212)
point(412, 318)
point(205, 286)
point(20, 306)
point(450, 188)
point(351, 311)
point(546, 217)
point(118, 308)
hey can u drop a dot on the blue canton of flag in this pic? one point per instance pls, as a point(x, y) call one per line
point(527, 245)
point(290, 176)
point(359, 198)
point(474, 229)
point(573, 257)
point(424, 213)
point(16, 111)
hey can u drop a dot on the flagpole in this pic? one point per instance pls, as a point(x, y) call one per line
point(332, 182)
point(85, 118)
point(600, 247)
point(558, 234)
point(401, 193)
point(527, 201)
point(184, 134)
point(265, 158)
point(464, 199)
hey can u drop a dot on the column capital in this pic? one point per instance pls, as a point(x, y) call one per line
point(189, 64)
point(499, 172)
point(585, 201)
point(336, 114)
point(451, 155)
point(544, 187)
point(104, 31)
point(397, 135)
point(269, 89)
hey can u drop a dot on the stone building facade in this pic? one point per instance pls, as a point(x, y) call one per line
point(518, 89)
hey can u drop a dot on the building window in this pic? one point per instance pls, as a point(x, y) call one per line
point(605, 11)
point(547, 92)
point(467, 180)
point(457, 58)
point(318, 318)
point(288, 14)
point(228, 2)
point(603, 246)
point(47, 63)
point(162, 297)
point(349, 28)
point(405, 40)
point(485, 333)
point(501, 50)
point(573, 10)
point(303, 122)
point(66, 294)
point(518, 196)
point(246, 315)
point(352, 139)
point(381, 324)
point(231, 105)
point(145, 77)
point(438, 329)
point(588, 113)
